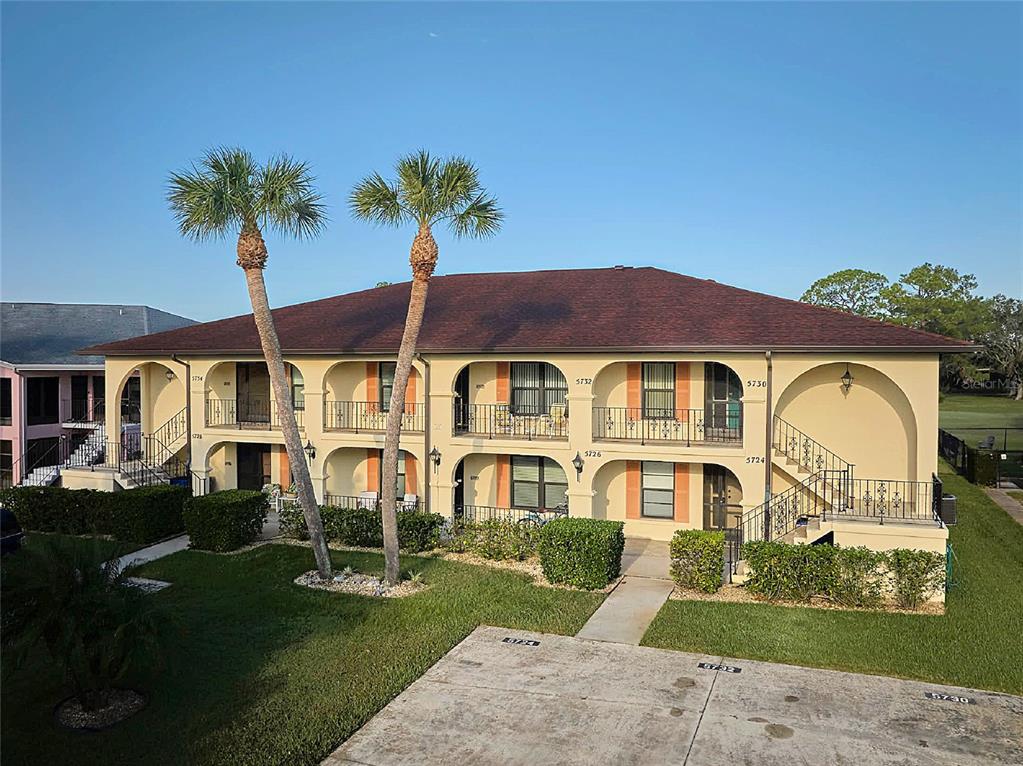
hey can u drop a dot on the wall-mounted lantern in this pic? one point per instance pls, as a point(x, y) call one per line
point(435, 457)
point(577, 463)
point(169, 375)
point(310, 450)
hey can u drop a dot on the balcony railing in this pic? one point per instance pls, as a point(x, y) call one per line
point(467, 513)
point(369, 416)
point(94, 411)
point(684, 426)
point(501, 421)
point(251, 413)
point(368, 503)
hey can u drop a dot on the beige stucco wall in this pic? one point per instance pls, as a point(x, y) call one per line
point(83, 478)
point(886, 425)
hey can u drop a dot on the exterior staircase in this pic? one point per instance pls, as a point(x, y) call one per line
point(826, 489)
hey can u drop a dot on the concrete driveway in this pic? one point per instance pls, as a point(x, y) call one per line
point(498, 699)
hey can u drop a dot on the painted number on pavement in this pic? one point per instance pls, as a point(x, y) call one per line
point(721, 668)
point(950, 698)
point(521, 641)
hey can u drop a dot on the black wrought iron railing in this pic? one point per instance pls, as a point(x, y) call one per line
point(806, 452)
point(250, 413)
point(466, 513)
point(682, 426)
point(172, 431)
point(495, 421)
point(369, 416)
point(358, 501)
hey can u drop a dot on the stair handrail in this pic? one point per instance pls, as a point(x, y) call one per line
point(807, 452)
point(173, 429)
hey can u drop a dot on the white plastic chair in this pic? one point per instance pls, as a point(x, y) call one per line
point(368, 500)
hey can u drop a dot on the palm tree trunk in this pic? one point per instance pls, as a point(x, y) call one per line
point(252, 257)
point(423, 259)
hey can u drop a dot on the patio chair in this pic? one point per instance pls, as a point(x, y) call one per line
point(367, 500)
point(409, 502)
point(988, 443)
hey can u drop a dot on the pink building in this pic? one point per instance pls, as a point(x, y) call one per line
point(50, 394)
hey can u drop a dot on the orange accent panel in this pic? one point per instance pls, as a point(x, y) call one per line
point(411, 479)
point(681, 492)
point(634, 385)
point(503, 463)
point(503, 384)
point(285, 476)
point(632, 482)
point(372, 470)
point(410, 391)
point(683, 378)
point(372, 385)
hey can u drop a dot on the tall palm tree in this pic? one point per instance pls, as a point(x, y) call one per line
point(427, 191)
point(227, 191)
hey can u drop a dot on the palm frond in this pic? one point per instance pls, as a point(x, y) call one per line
point(287, 200)
point(374, 199)
point(417, 184)
point(202, 206)
point(480, 218)
point(457, 184)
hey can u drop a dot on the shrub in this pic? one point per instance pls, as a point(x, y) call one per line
point(586, 553)
point(859, 577)
point(698, 559)
point(53, 509)
point(780, 571)
point(496, 539)
point(143, 514)
point(94, 627)
point(363, 527)
point(225, 521)
point(915, 575)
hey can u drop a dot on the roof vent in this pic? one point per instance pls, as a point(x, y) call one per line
point(619, 266)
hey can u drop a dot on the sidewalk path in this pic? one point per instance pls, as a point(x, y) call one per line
point(630, 608)
point(1006, 503)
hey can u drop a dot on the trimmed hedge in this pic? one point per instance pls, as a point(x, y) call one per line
point(363, 527)
point(586, 553)
point(853, 577)
point(140, 515)
point(698, 559)
point(225, 521)
point(495, 539)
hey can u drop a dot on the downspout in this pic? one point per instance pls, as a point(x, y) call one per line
point(768, 438)
point(426, 431)
point(188, 406)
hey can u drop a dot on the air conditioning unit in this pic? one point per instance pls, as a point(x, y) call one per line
point(948, 510)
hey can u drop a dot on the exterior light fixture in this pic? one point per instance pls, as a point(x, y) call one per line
point(435, 456)
point(310, 450)
point(577, 463)
point(847, 380)
point(170, 375)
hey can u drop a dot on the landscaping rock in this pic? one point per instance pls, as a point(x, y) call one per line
point(359, 584)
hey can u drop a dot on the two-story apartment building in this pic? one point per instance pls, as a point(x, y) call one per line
point(623, 393)
point(50, 397)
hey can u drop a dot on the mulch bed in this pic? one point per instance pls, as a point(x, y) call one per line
point(123, 703)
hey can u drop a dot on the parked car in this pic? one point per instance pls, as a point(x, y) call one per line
point(10, 532)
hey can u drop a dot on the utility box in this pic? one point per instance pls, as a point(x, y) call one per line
point(948, 510)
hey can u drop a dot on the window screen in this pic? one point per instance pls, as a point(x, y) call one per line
point(658, 489)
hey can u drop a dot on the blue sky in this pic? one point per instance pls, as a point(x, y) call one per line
point(761, 145)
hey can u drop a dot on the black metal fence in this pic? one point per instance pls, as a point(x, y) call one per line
point(369, 416)
point(985, 458)
point(501, 420)
point(517, 515)
point(366, 502)
point(684, 426)
point(248, 413)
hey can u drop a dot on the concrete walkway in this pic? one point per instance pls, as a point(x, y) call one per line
point(508, 697)
point(629, 609)
point(1006, 503)
point(153, 552)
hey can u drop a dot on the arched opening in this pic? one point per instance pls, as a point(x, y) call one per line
point(509, 486)
point(656, 497)
point(673, 401)
point(353, 475)
point(357, 396)
point(512, 399)
point(239, 395)
point(871, 425)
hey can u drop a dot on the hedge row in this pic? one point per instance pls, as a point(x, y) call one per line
point(698, 559)
point(363, 527)
point(586, 553)
point(225, 521)
point(141, 515)
point(495, 539)
point(855, 577)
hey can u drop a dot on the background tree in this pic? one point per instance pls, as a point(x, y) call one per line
point(427, 191)
point(854, 290)
point(937, 299)
point(229, 193)
point(1003, 342)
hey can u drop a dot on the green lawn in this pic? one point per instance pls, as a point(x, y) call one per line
point(261, 671)
point(990, 413)
point(976, 643)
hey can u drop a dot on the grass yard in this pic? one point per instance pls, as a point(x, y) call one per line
point(976, 643)
point(261, 671)
point(1016, 495)
point(991, 413)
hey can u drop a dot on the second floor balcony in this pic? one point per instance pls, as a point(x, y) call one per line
point(247, 413)
point(495, 421)
point(358, 417)
point(712, 425)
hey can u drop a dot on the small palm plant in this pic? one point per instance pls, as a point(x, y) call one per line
point(228, 193)
point(94, 625)
point(427, 191)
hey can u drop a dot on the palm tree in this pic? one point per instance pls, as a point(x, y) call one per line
point(427, 191)
point(227, 191)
